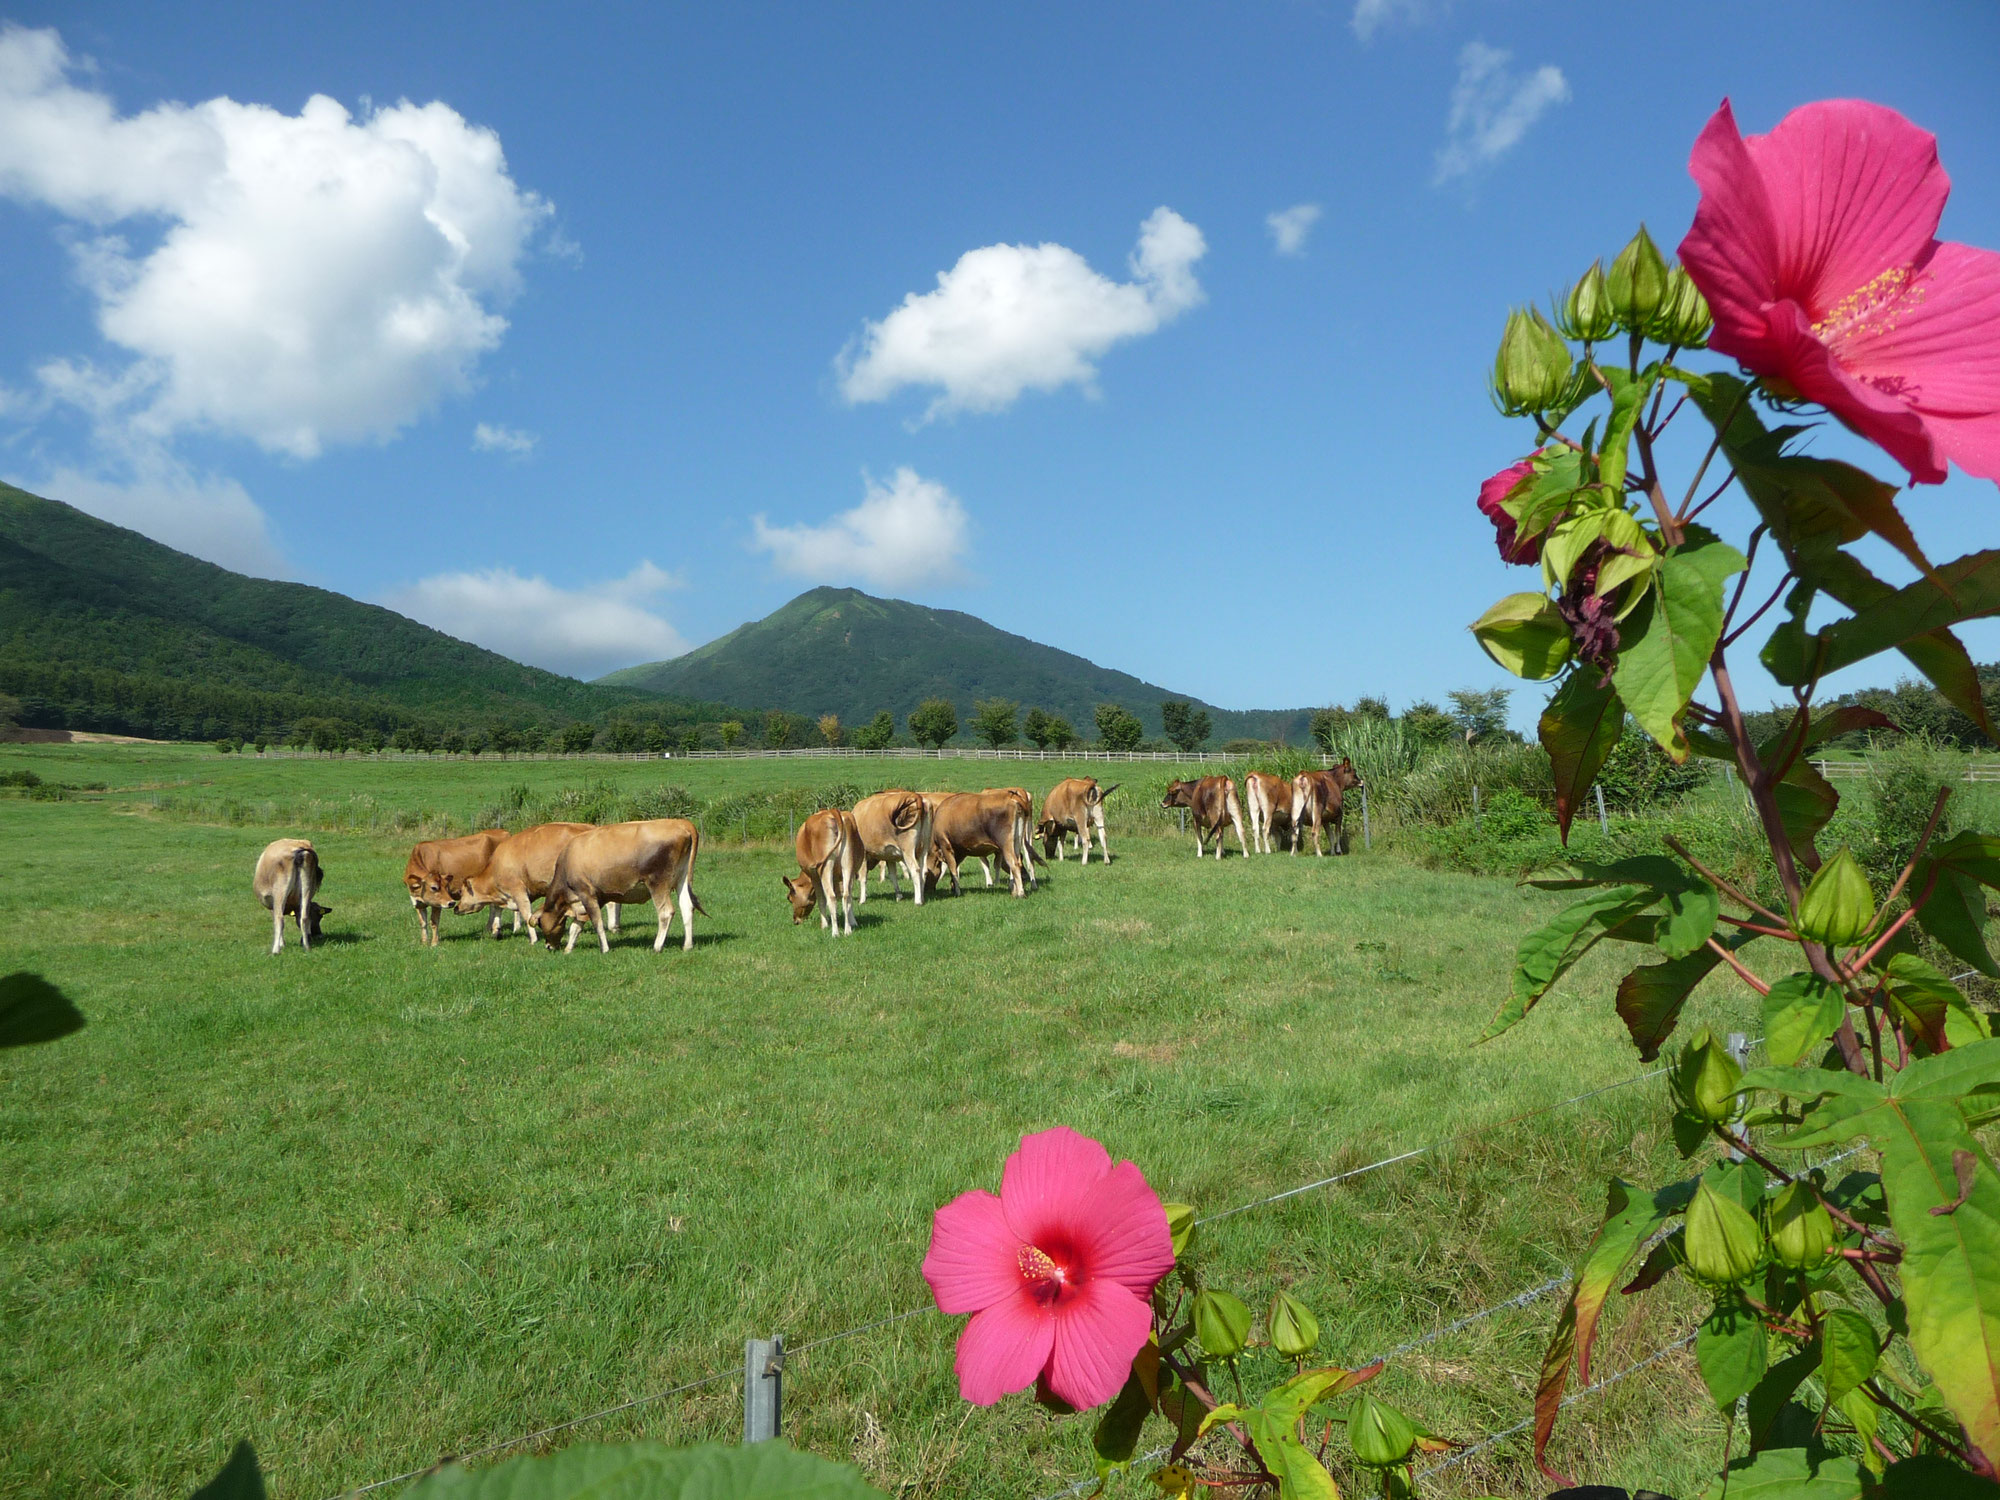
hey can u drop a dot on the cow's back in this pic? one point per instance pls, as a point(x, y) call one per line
point(530, 856)
point(880, 818)
point(273, 878)
point(622, 857)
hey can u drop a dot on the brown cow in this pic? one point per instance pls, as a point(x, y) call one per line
point(1024, 833)
point(974, 825)
point(1319, 796)
point(1270, 802)
point(1074, 806)
point(287, 879)
point(1213, 802)
point(647, 861)
point(829, 849)
point(895, 828)
point(433, 860)
point(519, 870)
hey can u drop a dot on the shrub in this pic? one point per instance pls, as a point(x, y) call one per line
point(1640, 774)
point(878, 733)
point(933, 721)
point(1118, 728)
point(994, 720)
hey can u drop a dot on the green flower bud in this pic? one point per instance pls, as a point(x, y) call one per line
point(1705, 1079)
point(1683, 319)
point(1801, 1229)
point(1637, 283)
point(1585, 313)
point(1532, 368)
point(1381, 1436)
point(1838, 908)
point(1222, 1323)
point(1722, 1241)
point(1294, 1330)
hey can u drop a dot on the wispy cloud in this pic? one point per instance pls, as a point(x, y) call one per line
point(1014, 318)
point(912, 530)
point(1492, 108)
point(1370, 16)
point(1290, 226)
point(491, 437)
point(585, 632)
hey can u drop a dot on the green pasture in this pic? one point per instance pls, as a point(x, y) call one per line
point(374, 1204)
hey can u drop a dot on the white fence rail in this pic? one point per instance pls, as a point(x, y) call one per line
point(813, 752)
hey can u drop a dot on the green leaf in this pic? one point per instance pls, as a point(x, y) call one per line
point(1860, 1409)
point(1525, 634)
point(1967, 588)
point(1848, 1351)
point(1731, 1351)
point(1288, 1402)
point(1801, 1011)
point(1116, 1437)
point(240, 1478)
point(1650, 997)
point(1954, 913)
point(1771, 1394)
point(1928, 1476)
point(1666, 642)
point(1579, 729)
point(1930, 1005)
point(1180, 1225)
point(1838, 908)
point(33, 1010)
point(1567, 543)
point(652, 1471)
point(1789, 1474)
point(1547, 953)
point(1628, 395)
point(1300, 1475)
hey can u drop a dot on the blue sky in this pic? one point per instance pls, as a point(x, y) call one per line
point(1150, 437)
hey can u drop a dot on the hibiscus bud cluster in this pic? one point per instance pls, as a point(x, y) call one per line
point(1637, 283)
point(1532, 370)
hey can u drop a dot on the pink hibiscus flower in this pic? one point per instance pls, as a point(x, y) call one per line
point(1491, 493)
point(1057, 1272)
point(1816, 248)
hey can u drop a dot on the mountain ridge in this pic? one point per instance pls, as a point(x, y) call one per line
point(844, 651)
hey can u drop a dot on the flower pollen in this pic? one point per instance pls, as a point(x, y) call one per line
point(1047, 1278)
point(1869, 311)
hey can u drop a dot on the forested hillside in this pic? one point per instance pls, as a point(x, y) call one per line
point(103, 629)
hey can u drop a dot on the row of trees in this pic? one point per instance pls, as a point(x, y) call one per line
point(1476, 716)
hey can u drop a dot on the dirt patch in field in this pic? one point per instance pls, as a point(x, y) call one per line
point(13, 734)
point(1153, 1052)
point(1122, 926)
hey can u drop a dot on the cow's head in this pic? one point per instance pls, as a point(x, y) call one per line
point(464, 894)
point(556, 913)
point(314, 911)
point(1345, 776)
point(803, 892)
point(1179, 794)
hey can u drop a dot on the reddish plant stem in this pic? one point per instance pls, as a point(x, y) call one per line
point(1737, 1143)
point(1719, 883)
point(1937, 812)
point(1709, 457)
point(1972, 1459)
point(1862, 961)
point(1741, 973)
point(1749, 926)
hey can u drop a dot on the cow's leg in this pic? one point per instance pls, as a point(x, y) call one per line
point(663, 908)
point(593, 913)
point(685, 900)
point(1017, 887)
point(912, 865)
point(986, 865)
point(1339, 831)
point(611, 911)
point(1103, 844)
point(278, 922)
point(1235, 817)
point(829, 914)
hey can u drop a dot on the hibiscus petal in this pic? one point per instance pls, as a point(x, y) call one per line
point(1044, 1182)
point(974, 1258)
point(1854, 190)
point(1731, 251)
point(1940, 352)
point(1097, 1335)
point(1004, 1348)
point(1883, 419)
point(1121, 1234)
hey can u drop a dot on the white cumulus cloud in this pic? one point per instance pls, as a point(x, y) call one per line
point(585, 632)
point(1492, 107)
point(1290, 226)
point(1370, 16)
point(1014, 318)
point(296, 280)
point(207, 516)
point(911, 531)
point(492, 437)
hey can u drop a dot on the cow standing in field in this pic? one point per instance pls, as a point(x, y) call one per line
point(1270, 799)
point(829, 849)
point(1074, 805)
point(646, 861)
point(519, 870)
point(436, 860)
point(895, 828)
point(1024, 825)
point(1212, 802)
point(287, 879)
point(1319, 797)
point(973, 825)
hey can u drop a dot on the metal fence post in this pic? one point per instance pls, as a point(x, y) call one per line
point(1475, 807)
point(763, 1388)
point(1367, 838)
point(1183, 813)
point(1739, 1049)
point(1603, 823)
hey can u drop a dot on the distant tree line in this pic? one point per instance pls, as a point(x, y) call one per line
point(1476, 716)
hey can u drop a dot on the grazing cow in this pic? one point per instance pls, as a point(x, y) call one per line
point(1213, 802)
point(895, 828)
point(519, 870)
point(976, 825)
point(1270, 801)
point(287, 879)
point(435, 859)
point(1319, 796)
point(1074, 805)
point(829, 849)
point(1024, 832)
point(647, 861)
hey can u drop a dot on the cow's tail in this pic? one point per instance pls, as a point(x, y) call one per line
point(1099, 793)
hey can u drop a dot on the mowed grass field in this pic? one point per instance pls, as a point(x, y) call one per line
point(375, 1204)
